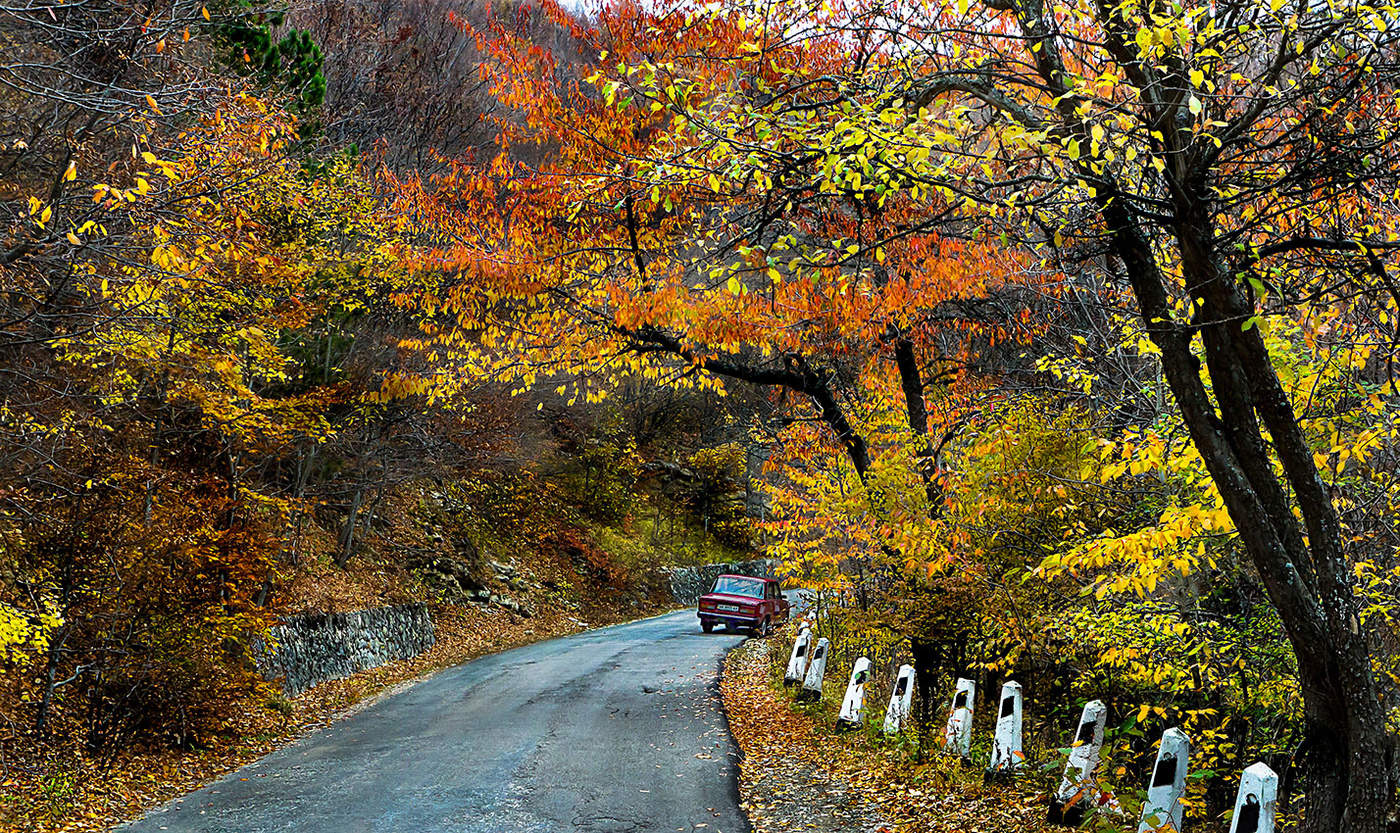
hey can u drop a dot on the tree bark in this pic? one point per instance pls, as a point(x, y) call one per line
point(347, 533)
point(1348, 753)
point(1304, 569)
point(911, 382)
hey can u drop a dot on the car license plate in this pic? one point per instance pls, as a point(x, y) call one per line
point(734, 608)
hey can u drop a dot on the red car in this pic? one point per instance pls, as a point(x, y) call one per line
point(743, 602)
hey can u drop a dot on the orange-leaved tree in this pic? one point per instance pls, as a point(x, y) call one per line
point(613, 234)
point(1211, 165)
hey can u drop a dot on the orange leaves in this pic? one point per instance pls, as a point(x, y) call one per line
point(708, 206)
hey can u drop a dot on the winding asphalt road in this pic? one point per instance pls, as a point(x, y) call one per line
point(617, 730)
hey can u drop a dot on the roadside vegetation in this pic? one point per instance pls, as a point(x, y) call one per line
point(1041, 341)
point(800, 774)
point(214, 416)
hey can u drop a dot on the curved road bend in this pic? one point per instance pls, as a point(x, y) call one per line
point(617, 730)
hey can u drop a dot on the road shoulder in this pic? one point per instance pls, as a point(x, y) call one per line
point(787, 783)
point(798, 774)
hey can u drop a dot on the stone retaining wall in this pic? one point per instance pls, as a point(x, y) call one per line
point(688, 584)
point(313, 648)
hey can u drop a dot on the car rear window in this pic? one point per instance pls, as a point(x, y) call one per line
point(734, 585)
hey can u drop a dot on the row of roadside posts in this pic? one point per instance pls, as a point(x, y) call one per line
point(1079, 791)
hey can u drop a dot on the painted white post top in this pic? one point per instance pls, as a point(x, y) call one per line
point(1256, 805)
point(1007, 754)
point(901, 700)
point(816, 667)
point(797, 662)
point(853, 704)
point(1079, 791)
point(957, 735)
point(1163, 811)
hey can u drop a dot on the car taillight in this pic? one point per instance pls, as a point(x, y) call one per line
point(707, 605)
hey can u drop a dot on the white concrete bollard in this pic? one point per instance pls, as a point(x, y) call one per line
point(1079, 788)
point(1256, 807)
point(901, 700)
point(853, 704)
point(816, 669)
point(957, 735)
point(797, 663)
point(1163, 810)
point(1007, 755)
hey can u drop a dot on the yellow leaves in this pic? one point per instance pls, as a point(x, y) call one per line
point(71, 173)
point(1147, 347)
point(39, 213)
point(204, 12)
point(23, 633)
point(398, 386)
point(151, 103)
point(1147, 709)
point(1144, 40)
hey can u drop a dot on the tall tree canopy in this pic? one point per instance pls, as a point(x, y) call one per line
point(839, 196)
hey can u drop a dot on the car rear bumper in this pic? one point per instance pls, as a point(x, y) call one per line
point(722, 616)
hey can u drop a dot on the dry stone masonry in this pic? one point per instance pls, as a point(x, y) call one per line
point(307, 650)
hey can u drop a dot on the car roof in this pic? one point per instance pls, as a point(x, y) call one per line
point(737, 575)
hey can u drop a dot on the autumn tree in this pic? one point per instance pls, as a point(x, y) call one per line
point(1213, 165)
point(636, 249)
point(1235, 161)
point(1218, 164)
point(166, 260)
point(622, 236)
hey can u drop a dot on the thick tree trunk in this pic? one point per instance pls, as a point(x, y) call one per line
point(347, 533)
point(1243, 425)
point(911, 382)
point(1347, 750)
point(926, 703)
